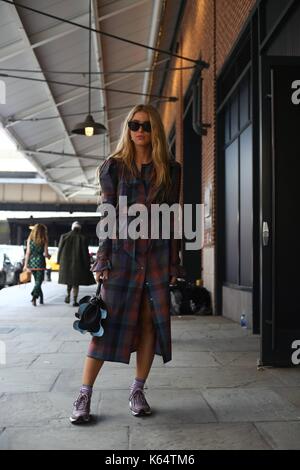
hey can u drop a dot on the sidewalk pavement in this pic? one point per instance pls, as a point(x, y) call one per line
point(210, 396)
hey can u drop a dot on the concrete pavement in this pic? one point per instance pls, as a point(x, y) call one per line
point(210, 396)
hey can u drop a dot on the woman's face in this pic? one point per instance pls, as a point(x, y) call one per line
point(140, 137)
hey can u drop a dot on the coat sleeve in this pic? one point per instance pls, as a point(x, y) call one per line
point(108, 183)
point(175, 268)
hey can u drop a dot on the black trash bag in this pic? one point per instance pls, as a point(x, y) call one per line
point(189, 299)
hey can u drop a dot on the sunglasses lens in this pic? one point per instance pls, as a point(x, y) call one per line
point(134, 126)
point(146, 126)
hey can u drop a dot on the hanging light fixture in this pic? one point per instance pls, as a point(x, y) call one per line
point(89, 127)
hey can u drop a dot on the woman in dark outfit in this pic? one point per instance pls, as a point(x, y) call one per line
point(136, 273)
point(37, 249)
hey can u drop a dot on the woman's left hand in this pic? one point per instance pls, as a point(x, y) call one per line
point(173, 280)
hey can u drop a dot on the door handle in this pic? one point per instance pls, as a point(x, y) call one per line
point(265, 234)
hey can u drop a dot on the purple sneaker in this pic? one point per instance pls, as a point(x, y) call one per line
point(138, 403)
point(81, 410)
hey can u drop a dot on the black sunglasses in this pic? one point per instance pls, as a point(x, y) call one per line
point(135, 125)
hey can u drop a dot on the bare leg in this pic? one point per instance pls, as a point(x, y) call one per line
point(91, 370)
point(145, 350)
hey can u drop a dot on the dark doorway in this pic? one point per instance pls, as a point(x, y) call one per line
point(280, 251)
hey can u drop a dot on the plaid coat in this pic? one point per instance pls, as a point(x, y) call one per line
point(134, 265)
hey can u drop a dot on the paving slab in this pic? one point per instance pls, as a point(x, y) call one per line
point(36, 409)
point(71, 335)
point(238, 405)
point(41, 344)
point(65, 436)
point(192, 359)
point(59, 361)
point(289, 376)
point(210, 396)
point(168, 407)
point(198, 437)
point(241, 359)
point(6, 330)
point(18, 380)
point(211, 344)
point(281, 436)
point(175, 377)
point(19, 360)
point(75, 346)
point(291, 394)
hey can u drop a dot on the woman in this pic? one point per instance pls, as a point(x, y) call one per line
point(136, 273)
point(36, 251)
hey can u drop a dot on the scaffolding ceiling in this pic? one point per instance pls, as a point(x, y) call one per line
point(30, 41)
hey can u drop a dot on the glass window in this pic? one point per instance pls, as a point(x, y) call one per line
point(244, 102)
point(238, 187)
point(234, 115)
point(231, 210)
point(246, 207)
point(227, 126)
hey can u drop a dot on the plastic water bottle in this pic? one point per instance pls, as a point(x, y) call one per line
point(243, 321)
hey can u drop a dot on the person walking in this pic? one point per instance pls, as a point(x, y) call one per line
point(74, 262)
point(36, 251)
point(136, 273)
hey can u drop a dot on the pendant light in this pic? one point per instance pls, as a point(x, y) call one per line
point(89, 127)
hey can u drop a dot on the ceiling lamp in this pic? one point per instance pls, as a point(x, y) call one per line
point(89, 127)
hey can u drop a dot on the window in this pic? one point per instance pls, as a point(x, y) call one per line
point(238, 182)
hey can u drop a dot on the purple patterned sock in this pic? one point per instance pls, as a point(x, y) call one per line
point(137, 383)
point(87, 389)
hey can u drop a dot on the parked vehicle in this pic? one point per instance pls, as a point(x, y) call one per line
point(2, 278)
point(52, 264)
point(11, 264)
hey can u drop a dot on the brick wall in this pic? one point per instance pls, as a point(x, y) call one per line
point(201, 36)
point(208, 31)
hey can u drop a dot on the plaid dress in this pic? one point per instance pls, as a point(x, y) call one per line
point(135, 265)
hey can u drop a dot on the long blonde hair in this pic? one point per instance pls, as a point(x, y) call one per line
point(39, 234)
point(125, 149)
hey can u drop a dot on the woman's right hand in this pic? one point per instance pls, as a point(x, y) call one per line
point(102, 275)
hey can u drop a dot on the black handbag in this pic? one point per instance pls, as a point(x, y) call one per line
point(92, 311)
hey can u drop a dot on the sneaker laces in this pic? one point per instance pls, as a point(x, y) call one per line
point(82, 401)
point(138, 397)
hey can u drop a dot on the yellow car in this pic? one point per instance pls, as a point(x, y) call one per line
point(52, 262)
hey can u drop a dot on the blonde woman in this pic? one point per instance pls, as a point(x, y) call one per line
point(136, 273)
point(36, 250)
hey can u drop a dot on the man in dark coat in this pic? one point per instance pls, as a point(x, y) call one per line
point(73, 258)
